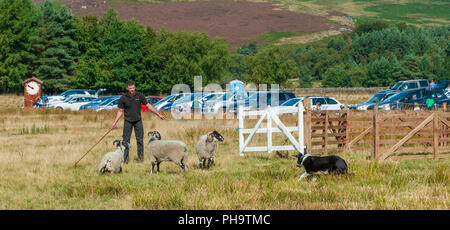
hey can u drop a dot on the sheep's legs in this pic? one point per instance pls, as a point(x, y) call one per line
point(202, 163)
point(157, 166)
point(209, 163)
point(153, 166)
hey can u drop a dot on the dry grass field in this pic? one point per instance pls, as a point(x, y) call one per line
point(38, 149)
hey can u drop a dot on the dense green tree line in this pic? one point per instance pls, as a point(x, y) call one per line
point(46, 41)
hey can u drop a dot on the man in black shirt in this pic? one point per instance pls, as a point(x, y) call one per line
point(130, 103)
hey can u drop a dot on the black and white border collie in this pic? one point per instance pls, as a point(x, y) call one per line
point(321, 165)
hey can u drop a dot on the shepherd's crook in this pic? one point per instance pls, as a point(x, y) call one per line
point(92, 147)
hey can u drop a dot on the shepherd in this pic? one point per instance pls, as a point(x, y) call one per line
point(130, 103)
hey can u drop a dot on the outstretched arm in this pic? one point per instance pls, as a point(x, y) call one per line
point(118, 115)
point(153, 110)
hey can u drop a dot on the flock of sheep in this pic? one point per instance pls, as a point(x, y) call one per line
point(163, 150)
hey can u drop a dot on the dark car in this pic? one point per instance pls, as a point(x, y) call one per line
point(375, 99)
point(408, 98)
point(409, 85)
point(438, 96)
point(442, 85)
point(262, 99)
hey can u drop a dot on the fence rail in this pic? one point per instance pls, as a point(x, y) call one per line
point(387, 134)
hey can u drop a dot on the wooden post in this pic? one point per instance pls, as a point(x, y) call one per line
point(435, 134)
point(307, 124)
point(325, 134)
point(445, 106)
point(347, 130)
point(375, 133)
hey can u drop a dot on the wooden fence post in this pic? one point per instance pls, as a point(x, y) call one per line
point(347, 130)
point(435, 134)
point(307, 124)
point(375, 133)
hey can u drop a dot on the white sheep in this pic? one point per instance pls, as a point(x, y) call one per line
point(112, 162)
point(206, 146)
point(166, 150)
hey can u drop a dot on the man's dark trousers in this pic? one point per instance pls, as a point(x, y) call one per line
point(139, 132)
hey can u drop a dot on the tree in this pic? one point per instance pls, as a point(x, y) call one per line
point(344, 75)
point(176, 57)
point(382, 72)
point(16, 28)
point(54, 49)
point(272, 66)
point(368, 27)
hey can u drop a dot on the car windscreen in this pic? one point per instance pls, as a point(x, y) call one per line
point(164, 99)
point(396, 85)
point(396, 97)
point(100, 99)
point(376, 98)
point(213, 96)
point(107, 101)
point(291, 102)
point(67, 99)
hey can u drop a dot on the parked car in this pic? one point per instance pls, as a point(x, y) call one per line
point(198, 105)
point(377, 98)
point(185, 103)
point(402, 100)
point(442, 85)
point(326, 103)
point(109, 105)
point(439, 97)
point(46, 100)
point(166, 103)
point(262, 99)
point(95, 104)
point(74, 102)
point(408, 85)
point(151, 100)
point(227, 103)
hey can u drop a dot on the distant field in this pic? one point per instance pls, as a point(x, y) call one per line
point(241, 21)
point(38, 148)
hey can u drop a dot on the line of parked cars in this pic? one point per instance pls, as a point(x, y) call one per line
point(403, 95)
point(86, 99)
point(411, 94)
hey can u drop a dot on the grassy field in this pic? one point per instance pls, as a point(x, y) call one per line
point(39, 148)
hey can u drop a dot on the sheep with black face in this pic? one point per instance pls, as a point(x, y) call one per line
point(112, 162)
point(206, 147)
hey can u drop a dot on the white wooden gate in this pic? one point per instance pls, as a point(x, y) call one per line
point(271, 114)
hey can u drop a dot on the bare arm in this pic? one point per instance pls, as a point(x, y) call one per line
point(153, 110)
point(118, 115)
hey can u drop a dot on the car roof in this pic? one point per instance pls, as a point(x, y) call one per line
point(82, 95)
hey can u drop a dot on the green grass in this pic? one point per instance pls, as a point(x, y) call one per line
point(403, 12)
